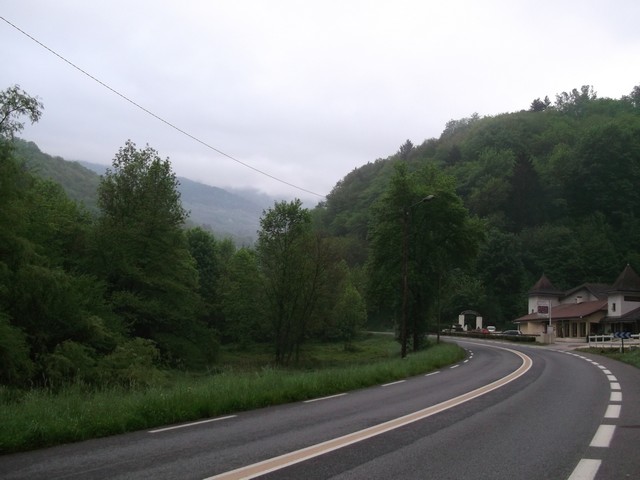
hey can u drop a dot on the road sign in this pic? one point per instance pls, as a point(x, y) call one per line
point(622, 334)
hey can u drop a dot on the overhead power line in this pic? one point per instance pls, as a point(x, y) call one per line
point(157, 117)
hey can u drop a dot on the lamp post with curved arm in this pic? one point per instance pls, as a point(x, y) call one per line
point(406, 213)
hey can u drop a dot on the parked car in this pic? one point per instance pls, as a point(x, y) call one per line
point(453, 328)
point(511, 332)
point(491, 329)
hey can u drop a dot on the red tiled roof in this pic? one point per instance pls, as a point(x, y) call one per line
point(566, 311)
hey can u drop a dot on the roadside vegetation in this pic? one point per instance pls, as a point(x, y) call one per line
point(121, 315)
point(630, 355)
point(39, 418)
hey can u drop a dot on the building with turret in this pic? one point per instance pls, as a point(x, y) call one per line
point(589, 309)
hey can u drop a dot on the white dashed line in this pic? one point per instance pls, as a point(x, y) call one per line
point(586, 469)
point(393, 383)
point(603, 436)
point(185, 425)
point(613, 411)
point(324, 398)
point(454, 366)
point(432, 373)
point(615, 397)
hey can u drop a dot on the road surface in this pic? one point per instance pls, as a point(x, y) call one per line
point(505, 412)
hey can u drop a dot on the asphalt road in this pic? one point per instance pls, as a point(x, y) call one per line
point(552, 420)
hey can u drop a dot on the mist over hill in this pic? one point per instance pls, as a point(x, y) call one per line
point(233, 214)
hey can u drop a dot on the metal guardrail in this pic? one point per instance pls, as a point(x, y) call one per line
point(610, 340)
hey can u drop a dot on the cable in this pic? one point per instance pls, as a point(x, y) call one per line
point(157, 117)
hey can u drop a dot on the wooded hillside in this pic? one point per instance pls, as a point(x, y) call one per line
point(467, 221)
point(226, 214)
point(556, 186)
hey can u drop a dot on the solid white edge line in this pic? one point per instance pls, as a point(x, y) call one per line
point(603, 436)
point(273, 464)
point(324, 398)
point(184, 425)
point(586, 469)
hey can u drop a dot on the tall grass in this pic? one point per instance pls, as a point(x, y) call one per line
point(36, 419)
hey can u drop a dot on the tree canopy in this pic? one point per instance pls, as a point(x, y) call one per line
point(116, 292)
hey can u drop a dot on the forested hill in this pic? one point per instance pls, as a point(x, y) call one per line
point(225, 213)
point(557, 184)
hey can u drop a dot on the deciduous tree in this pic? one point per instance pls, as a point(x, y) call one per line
point(291, 263)
point(14, 104)
point(142, 253)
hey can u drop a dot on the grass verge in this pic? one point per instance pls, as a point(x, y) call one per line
point(631, 355)
point(37, 419)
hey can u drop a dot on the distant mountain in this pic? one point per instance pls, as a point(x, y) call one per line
point(227, 214)
point(80, 183)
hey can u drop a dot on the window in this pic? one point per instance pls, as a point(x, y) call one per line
point(613, 307)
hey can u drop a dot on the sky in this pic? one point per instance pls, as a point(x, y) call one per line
point(297, 93)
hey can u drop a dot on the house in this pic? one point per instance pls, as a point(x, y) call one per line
point(585, 310)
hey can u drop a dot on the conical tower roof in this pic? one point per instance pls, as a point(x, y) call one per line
point(628, 281)
point(544, 287)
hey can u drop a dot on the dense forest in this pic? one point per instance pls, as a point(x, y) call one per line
point(556, 188)
point(116, 291)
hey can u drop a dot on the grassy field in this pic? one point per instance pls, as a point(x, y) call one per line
point(35, 419)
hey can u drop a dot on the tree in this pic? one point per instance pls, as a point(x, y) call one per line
point(575, 102)
point(416, 245)
point(502, 272)
point(350, 313)
point(142, 253)
point(634, 97)
point(540, 105)
point(242, 300)
point(15, 103)
point(388, 264)
point(605, 171)
point(204, 250)
point(45, 299)
point(405, 150)
point(141, 189)
point(291, 264)
point(449, 240)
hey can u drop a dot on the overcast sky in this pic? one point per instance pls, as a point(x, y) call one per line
point(304, 90)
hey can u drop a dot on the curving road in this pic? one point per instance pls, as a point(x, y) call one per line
point(506, 412)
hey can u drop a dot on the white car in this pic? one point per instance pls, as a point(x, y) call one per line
point(491, 329)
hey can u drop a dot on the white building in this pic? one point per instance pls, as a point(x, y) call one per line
point(584, 310)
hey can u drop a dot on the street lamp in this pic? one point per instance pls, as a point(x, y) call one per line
point(405, 280)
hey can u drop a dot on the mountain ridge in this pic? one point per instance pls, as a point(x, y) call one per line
point(226, 214)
